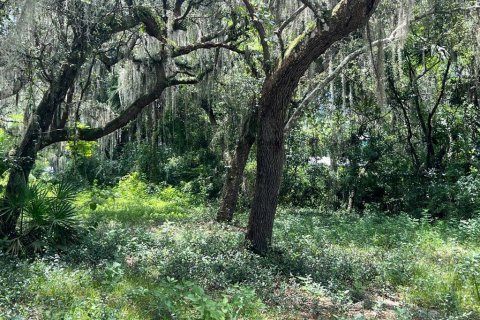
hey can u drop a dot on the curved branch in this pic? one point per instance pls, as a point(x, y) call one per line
point(180, 51)
point(128, 114)
point(91, 134)
point(347, 16)
point(284, 25)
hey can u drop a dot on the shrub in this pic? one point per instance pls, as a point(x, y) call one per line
point(47, 216)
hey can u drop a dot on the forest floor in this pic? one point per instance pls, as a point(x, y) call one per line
point(160, 256)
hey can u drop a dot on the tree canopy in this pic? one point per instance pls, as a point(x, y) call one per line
point(350, 106)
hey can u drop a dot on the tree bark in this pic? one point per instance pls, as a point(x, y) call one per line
point(270, 144)
point(277, 93)
point(233, 178)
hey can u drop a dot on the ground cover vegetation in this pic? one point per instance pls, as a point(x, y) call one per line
point(239, 159)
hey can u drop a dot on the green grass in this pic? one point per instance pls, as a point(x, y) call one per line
point(428, 265)
point(157, 255)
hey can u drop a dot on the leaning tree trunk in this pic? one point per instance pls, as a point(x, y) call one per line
point(17, 183)
point(270, 144)
point(277, 93)
point(233, 178)
point(276, 96)
point(23, 160)
point(26, 153)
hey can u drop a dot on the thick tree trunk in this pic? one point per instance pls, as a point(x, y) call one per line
point(17, 182)
point(24, 159)
point(233, 179)
point(276, 97)
point(270, 145)
point(277, 93)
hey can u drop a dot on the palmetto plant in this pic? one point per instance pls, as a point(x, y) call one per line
point(47, 216)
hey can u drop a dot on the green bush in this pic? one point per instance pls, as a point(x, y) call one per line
point(47, 216)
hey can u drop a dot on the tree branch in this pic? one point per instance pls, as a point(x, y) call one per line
point(262, 35)
point(299, 111)
point(398, 99)
point(284, 25)
point(128, 114)
point(179, 17)
point(442, 93)
point(313, 7)
point(347, 16)
point(180, 51)
point(91, 134)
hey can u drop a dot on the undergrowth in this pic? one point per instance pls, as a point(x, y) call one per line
point(153, 253)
